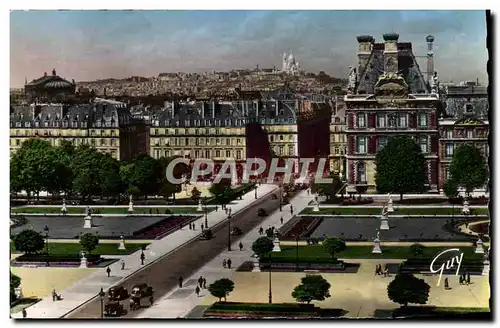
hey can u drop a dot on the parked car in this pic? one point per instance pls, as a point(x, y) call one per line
point(117, 293)
point(261, 212)
point(114, 309)
point(274, 196)
point(141, 290)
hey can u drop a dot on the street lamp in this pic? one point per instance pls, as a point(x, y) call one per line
point(206, 214)
point(297, 252)
point(270, 288)
point(281, 195)
point(101, 296)
point(46, 229)
point(229, 231)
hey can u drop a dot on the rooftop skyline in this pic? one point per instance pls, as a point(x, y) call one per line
point(89, 45)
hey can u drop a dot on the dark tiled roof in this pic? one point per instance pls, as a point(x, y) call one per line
point(225, 114)
point(81, 116)
point(407, 67)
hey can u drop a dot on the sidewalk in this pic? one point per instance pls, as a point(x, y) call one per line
point(89, 286)
point(180, 301)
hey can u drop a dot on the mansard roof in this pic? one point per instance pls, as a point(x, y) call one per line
point(407, 67)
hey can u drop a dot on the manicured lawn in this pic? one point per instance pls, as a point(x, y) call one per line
point(317, 252)
point(442, 312)
point(265, 309)
point(109, 210)
point(76, 248)
point(402, 211)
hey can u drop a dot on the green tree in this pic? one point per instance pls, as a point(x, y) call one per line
point(406, 288)
point(147, 175)
point(89, 242)
point(450, 188)
point(401, 167)
point(217, 189)
point(168, 189)
point(195, 194)
point(333, 246)
point(468, 168)
point(262, 246)
point(34, 169)
point(111, 184)
point(29, 241)
point(86, 167)
point(329, 190)
point(416, 249)
point(221, 288)
point(15, 282)
point(312, 288)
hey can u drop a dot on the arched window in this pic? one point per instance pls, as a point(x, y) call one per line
point(361, 172)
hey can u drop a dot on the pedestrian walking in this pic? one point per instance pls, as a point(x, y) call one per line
point(241, 246)
point(446, 284)
point(25, 314)
point(190, 227)
point(108, 271)
point(468, 278)
point(261, 231)
point(123, 264)
point(197, 291)
point(194, 226)
point(307, 192)
point(291, 209)
point(54, 295)
point(229, 263)
point(461, 279)
point(216, 208)
point(281, 220)
point(224, 263)
point(202, 227)
point(204, 283)
point(143, 257)
point(200, 281)
point(180, 282)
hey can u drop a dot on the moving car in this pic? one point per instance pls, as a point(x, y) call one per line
point(261, 212)
point(141, 290)
point(117, 293)
point(114, 309)
point(206, 234)
point(236, 231)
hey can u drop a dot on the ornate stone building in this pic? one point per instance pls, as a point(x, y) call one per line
point(388, 96)
point(338, 141)
point(49, 89)
point(455, 132)
point(108, 127)
point(289, 65)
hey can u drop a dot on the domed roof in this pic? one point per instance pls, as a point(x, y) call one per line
point(291, 57)
point(58, 84)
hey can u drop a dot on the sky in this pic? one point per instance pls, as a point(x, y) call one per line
point(89, 45)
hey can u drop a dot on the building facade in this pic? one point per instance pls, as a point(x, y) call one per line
point(49, 89)
point(388, 96)
point(107, 127)
point(455, 132)
point(338, 141)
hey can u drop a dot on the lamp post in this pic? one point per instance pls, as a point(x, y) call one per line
point(206, 214)
point(101, 296)
point(270, 285)
point(229, 231)
point(281, 195)
point(46, 229)
point(297, 252)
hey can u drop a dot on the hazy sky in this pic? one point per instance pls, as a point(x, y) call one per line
point(87, 45)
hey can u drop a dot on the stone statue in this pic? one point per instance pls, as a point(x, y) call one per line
point(378, 234)
point(352, 79)
point(435, 83)
point(130, 199)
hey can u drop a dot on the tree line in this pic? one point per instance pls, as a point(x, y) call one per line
point(84, 172)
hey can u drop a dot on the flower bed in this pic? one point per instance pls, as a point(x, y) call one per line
point(442, 312)
point(357, 201)
point(472, 201)
point(55, 259)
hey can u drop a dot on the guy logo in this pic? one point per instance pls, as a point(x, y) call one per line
point(449, 263)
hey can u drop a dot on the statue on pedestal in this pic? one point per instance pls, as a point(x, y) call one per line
point(130, 205)
point(390, 209)
point(352, 80)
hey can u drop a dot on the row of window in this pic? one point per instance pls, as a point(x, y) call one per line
point(196, 141)
point(383, 120)
point(449, 148)
point(76, 142)
point(194, 131)
point(157, 153)
point(63, 124)
point(199, 123)
point(273, 138)
point(362, 144)
point(469, 134)
point(93, 133)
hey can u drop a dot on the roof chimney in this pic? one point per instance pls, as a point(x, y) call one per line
point(391, 52)
point(430, 58)
point(364, 52)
